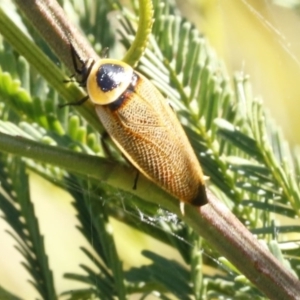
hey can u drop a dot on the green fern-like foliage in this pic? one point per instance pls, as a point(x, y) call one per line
point(248, 162)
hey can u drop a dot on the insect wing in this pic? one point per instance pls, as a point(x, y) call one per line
point(149, 134)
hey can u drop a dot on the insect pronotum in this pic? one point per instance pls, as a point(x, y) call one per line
point(144, 127)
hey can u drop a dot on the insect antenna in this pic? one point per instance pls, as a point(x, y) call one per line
point(75, 103)
point(84, 70)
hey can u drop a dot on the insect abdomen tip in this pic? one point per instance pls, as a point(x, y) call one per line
point(201, 197)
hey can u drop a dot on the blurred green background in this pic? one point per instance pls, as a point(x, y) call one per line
point(260, 38)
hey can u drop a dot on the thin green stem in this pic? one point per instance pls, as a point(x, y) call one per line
point(140, 42)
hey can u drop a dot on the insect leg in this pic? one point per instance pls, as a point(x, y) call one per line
point(181, 207)
point(137, 173)
point(71, 79)
point(75, 58)
point(136, 180)
point(75, 103)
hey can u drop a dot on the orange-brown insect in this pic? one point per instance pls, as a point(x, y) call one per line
point(145, 128)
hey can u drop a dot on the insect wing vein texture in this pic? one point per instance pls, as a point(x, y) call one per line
point(149, 134)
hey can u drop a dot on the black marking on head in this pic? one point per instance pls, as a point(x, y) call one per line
point(122, 99)
point(110, 76)
point(201, 197)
